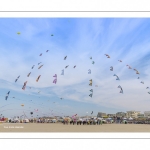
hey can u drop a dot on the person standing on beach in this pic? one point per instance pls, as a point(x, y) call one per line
point(101, 122)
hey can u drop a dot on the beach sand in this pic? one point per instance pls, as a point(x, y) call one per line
point(58, 127)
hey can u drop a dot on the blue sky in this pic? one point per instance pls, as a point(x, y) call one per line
point(127, 39)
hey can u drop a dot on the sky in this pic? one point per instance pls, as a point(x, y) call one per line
point(126, 39)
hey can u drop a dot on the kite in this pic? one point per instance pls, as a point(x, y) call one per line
point(138, 78)
point(91, 95)
point(52, 35)
point(96, 85)
point(142, 82)
point(90, 57)
point(24, 86)
point(38, 78)
point(36, 110)
point(61, 98)
point(39, 91)
point(28, 74)
point(89, 71)
point(91, 112)
point(40, 67)
point(111, 68)
point(66, 66)
point(55, 75)
point(22, 105)
point(47, 50)
point(65, 57)
point(116, 76)
point(147, 88)
point(120, 60)
point(91, 90)
point(17, 79)
point(90, 82)
point(18, 33)
point(93, 62)
point(121, 90)
point(129, 66)
point(7, 95)
point(39, 63)
point(31, 113)
point(40, 54)
point(148, 92)
point(55, 80)
point(74, 66)
point(107, 56)
point(136, 71)
point(33, 66)
point(62, 72)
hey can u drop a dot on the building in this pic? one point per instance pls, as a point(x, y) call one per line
point(111, 115)
point(120, 114)
point(101, 115)
point(133, 114)
point(140, 116)
point(147, 114)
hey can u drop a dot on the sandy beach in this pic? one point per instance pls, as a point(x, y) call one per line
point(58, 127)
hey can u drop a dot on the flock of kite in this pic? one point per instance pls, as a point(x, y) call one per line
point(62, 73)
point(129, 67)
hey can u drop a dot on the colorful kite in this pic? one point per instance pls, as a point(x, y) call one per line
point(90, 82)
point(55, 80)
point(24, 86)
point(107, 56)
point(129, 66)
point(38, 78)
